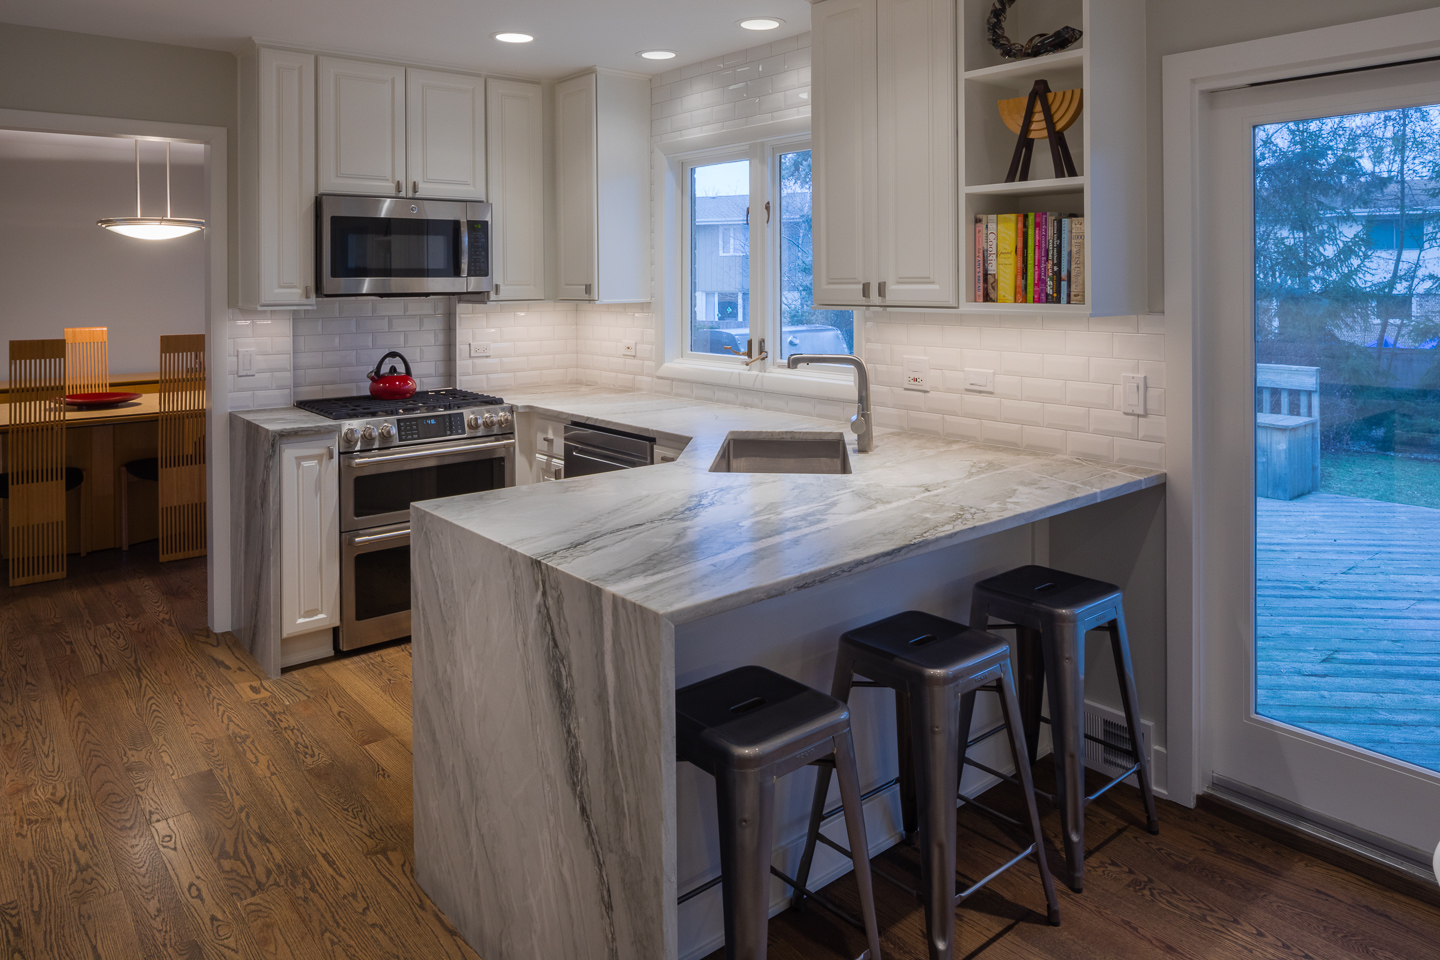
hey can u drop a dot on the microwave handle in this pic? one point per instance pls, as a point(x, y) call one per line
point(464, 247)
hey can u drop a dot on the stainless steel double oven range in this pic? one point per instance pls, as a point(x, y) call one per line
point(438, 443)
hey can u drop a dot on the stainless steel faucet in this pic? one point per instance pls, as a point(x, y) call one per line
point(862, 422)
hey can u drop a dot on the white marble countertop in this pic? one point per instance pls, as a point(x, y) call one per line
point(288, 421)
point(687, 543)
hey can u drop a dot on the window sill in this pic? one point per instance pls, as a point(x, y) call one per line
point(790, 383)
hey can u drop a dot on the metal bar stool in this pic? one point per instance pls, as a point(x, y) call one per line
point(935, 666)
point(1051, 611)
point(747, 728)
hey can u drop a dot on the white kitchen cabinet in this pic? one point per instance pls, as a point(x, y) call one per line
point(885, 159)
point(360, 121)
point(445, 135)
point(309, 537)
point(515, 161)
point(276, 176)
point(602, 187)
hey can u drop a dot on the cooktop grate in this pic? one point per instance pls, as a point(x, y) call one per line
point(423, 401)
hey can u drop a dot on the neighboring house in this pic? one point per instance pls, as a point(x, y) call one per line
point(721, 271)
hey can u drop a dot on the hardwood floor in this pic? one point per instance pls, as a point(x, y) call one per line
point(161, 799)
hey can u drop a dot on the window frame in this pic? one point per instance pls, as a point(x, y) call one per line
point(728, 154)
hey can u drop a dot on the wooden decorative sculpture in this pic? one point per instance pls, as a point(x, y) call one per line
point(1058, 111)
point(182, 446)
point(35, 468)
point(87, 360)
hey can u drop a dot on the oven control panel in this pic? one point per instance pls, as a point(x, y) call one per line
point(435, 426)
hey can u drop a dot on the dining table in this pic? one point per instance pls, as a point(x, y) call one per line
point(99, 440)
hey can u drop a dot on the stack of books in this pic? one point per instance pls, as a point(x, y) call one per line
point(1029, 258)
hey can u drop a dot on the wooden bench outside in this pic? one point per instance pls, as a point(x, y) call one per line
point(1287, 430)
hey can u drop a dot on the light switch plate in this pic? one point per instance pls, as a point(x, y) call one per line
point(1132, 393)
point(976, 379)
point(246, 365)
point(627, 348)
point(479, 348)
point(917, 374)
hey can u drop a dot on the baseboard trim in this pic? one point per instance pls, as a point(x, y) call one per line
point(1384, 867)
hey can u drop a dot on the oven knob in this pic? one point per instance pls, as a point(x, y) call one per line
point(350, 435)
point(367, 433)
point(387, 431)
point(473, 421)
point(504, 419)
point(488, 420)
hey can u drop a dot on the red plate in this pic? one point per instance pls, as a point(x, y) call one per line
point(88, 400)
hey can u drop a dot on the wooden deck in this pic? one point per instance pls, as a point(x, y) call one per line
point(1348, 621)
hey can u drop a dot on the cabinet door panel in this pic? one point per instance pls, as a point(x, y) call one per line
point(309, 537)
point(284, 242)
point(514, 146)
point(844, 136)
point(575, 187)
point(917, 176)
point(360, 116)
point(445, 127)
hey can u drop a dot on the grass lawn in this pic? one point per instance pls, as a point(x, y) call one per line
point(1377, 476)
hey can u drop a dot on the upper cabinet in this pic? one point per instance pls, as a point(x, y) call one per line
point(515, 160)
point(885, 159)
point(360, 117)
point(602, 187)
point(445, 134)
point(276, 174)
point(909, 148)
point(387, 130)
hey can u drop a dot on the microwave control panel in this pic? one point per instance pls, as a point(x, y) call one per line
point(479, 248)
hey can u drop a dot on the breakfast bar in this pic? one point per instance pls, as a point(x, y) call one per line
point(554, 622)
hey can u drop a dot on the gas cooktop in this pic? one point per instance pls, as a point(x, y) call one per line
point(423, 401)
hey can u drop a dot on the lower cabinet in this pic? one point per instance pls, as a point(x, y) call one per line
point(309, 537)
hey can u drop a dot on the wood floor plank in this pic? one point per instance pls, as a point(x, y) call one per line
point(106, 929)
point(278, 928)
point(211, 909)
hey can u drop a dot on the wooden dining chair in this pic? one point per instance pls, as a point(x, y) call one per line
point(87, 359)
point(180, 467)
point(36, 478)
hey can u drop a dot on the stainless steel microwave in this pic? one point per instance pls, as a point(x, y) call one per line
point(401, 246)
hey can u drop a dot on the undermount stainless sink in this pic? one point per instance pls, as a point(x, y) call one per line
point(782, 453)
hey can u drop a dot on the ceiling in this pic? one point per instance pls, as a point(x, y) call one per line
point(569, 34)
point(30, 145)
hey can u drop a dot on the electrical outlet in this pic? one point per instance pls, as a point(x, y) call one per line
point(917, 373)
point(246, 366)
point(479, 348)
point(1132, 393)
point(979, 379)
point(627, 348)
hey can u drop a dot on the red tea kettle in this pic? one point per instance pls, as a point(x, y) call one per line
point(392, 385)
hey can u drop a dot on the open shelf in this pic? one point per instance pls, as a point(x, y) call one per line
point(1056, 309)
point(1030, 188)
point(1031, 69)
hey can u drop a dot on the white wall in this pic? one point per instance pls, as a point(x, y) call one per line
point(60, 270)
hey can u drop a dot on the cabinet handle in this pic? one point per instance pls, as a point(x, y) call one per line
point(399, 187)
point(865, 290)
point(497, 289)
point(414, 187)
point(307, 294)
point(587, 289)
point(882, 289)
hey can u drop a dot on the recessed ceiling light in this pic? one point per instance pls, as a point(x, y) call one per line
point(658, 54)
point(513, 37)
point(761, 23)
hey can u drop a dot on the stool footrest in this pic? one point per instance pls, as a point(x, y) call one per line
point(975, 887)
point(1006, 777)
point(1096, 795)
point(894, 881)
point(823, 901)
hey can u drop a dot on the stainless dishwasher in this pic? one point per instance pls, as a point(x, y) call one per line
point(590, 449)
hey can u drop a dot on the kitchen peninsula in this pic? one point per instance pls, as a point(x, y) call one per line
point(553, 622)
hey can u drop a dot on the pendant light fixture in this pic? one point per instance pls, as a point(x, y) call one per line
point(152, 228)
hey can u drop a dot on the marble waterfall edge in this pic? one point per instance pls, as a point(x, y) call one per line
point(544, 739)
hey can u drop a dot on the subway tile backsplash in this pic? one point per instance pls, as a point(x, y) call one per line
point(337, 343)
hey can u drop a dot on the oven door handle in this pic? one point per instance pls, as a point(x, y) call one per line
point(376, 537)
point(432, 452)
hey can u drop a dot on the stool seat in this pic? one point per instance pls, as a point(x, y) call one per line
point(145, 468)
point(925, 648)
point(751, 716)
point(74, 476)
point(1055, 592)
